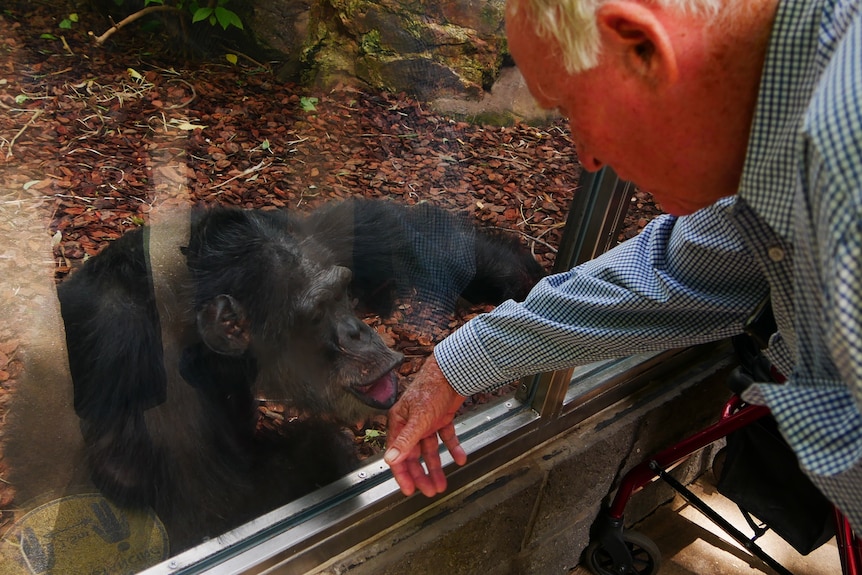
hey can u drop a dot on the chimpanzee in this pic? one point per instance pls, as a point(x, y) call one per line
point(424, 252)
point(169, 357)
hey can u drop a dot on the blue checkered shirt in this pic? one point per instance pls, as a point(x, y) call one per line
point(793, 234)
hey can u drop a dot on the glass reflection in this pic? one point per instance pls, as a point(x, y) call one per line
point(165, 440)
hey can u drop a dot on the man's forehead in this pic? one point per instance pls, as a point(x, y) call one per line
point(538, 61)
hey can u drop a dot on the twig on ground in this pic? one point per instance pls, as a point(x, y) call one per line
point(36, 114)
point(99, 40)
point(66, 46)
point(245, 172)
point(528, 237)
point(266, 67)
point(189, 100)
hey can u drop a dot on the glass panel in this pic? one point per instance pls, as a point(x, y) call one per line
point(100, 142)
point(97, 142)
point(340, 515)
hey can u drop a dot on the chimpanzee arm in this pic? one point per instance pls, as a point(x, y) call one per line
point(394, 249)
point(115, 358)
point(112, 332)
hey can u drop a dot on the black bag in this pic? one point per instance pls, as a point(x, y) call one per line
point(761, 475)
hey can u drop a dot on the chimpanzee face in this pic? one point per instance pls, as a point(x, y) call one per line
point(303, 332)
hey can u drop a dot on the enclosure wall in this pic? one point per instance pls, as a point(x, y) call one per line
point(532, 516)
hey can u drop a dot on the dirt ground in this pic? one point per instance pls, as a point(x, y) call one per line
point(94, 139)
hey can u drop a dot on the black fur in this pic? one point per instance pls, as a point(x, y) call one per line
point(396, 250)
point(264, 310)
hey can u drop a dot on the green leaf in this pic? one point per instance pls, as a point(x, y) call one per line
point(66, 24)
point(373, 436)
point(21, 98)
point(308, 103)
point(231, 58)
point(227, 18)
point(201, 14)
point(47, 36)
point(73, 17)
point(148, 2)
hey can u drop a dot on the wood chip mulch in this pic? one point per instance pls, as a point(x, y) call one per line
point(92, 140)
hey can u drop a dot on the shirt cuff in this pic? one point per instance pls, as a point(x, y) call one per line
point(466, 365)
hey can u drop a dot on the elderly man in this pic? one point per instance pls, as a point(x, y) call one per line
point(744, 119)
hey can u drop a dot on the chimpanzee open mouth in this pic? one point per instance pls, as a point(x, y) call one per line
point(380, 393)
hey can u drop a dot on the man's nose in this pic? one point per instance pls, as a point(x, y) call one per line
point(589, 162)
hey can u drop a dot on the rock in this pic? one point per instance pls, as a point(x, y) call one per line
point(507, 101)
point(429, 50)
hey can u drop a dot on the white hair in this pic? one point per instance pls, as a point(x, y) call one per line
point(571, 24)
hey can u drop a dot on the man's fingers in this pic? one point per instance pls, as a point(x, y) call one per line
point(438, 480)
point(458, 454)
point(400, 449)
point(450, 440)
point(424, 411)
point(404, 480)
point(406, 439)
point(411, 475)
point(392, 457)
point(429, 447)
point(422, 481)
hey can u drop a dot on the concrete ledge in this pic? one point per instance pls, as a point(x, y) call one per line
point(533, 515)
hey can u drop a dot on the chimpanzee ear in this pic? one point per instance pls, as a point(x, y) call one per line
point(223, 326)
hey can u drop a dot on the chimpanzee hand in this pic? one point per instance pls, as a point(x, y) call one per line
point(423, 413)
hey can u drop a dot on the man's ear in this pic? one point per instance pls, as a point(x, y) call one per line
point(639, 38)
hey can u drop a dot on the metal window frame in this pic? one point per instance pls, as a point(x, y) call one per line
point(307, 532)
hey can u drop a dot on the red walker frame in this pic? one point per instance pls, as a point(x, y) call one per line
point(619, 549)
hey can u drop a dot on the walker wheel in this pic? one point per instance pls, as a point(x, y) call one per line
point(645, 556)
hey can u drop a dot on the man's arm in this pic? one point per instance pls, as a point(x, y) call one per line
point(680, 282)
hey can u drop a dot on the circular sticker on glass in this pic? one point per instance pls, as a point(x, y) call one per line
point(83, 535)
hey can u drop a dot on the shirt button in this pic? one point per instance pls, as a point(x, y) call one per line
point(775, 253)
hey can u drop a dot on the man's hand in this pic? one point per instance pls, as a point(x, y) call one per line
point(423, 413)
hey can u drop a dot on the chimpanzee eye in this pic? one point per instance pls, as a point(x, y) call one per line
point(317, 314)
